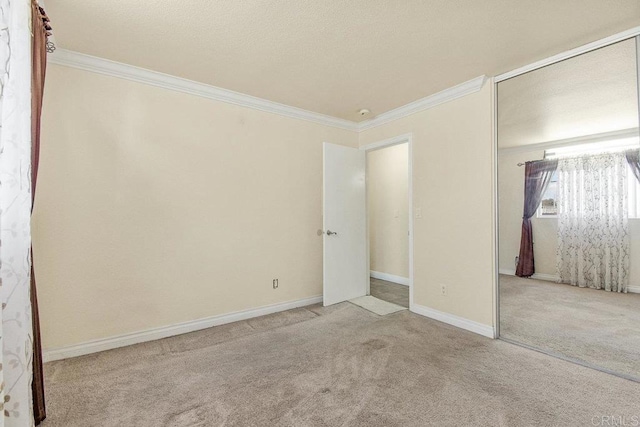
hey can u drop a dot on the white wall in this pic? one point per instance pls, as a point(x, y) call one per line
point(453, 188)
point(545, 230)
point(388, 209)
point(156, 207)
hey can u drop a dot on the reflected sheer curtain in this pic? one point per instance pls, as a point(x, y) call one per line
point(593, 229)
point(537, 176)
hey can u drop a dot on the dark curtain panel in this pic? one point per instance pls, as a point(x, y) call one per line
point(41, 30)
point(633, 158)
point(536, 179)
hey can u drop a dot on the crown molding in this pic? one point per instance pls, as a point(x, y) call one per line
point(455, 92)
point(107, 67)
point(129, 72)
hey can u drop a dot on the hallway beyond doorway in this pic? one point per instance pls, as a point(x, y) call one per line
point(391, 292)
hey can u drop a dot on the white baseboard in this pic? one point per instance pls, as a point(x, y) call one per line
point(553, 278)
point(103, 344)
point(452, 319)
point(547, 277)
point(389, 277)
point(538, 276)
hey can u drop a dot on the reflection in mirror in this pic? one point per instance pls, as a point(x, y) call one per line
point(569, 209)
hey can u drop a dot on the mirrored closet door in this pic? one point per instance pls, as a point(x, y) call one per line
point(569, 209)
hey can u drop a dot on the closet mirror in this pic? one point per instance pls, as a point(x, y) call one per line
point(569, 209)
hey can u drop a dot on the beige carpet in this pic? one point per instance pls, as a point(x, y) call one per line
point(334, 366)
point(594, 326)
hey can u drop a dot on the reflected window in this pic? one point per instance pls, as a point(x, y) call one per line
point(549, 207)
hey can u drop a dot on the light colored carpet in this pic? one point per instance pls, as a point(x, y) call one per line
point(594, 326)
point(376, 305)
point(334, 366)
point(389, 291)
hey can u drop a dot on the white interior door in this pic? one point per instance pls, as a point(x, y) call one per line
point(345, 224)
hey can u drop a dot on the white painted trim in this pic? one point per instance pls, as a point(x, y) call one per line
point(546, 277)
point(389, 277)
point(495, 241)
point(569, 54)
point(400, 139)
point(129, 72)
point(106, 67)
point(396, 140)
point(586, 139)
point(455, 92)
point(537, 276)
point(411, 219)
point(103, 344)
point(457, 321)
point(556, 279)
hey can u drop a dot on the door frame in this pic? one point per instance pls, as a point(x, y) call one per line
point(378, 145)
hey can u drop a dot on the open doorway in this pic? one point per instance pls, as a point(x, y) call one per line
point(388, 214)
point(346, 216)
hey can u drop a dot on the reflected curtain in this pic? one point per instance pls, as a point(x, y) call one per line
point(633, 159)
point(593, 230)
point(537, 176)
point(41, 30)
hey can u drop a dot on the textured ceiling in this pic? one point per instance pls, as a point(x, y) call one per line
point(585, 95)
point(334, 56)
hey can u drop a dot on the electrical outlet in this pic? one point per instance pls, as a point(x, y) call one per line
point(418, 213)
point(443, 290)
point(275, 283)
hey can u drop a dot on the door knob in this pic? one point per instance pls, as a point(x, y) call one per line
point(331, 233)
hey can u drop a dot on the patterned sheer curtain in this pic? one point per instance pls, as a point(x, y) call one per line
point(15, 209)
point(593, 229)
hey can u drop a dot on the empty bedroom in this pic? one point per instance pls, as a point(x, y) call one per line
point(293, 213)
